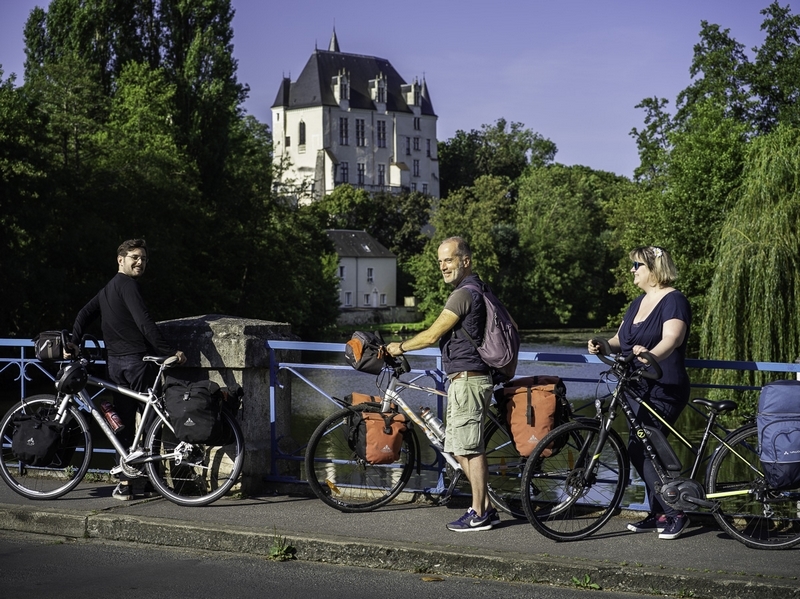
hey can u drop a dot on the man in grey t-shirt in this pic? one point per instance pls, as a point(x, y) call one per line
point(470, 390)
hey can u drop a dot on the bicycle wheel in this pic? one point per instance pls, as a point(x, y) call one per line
point(194, 474)
point(564, 501)
point(757, 516)
point(505, 470)
point(70, 463)
point(343, 480)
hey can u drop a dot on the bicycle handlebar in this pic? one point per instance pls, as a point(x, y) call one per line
point(399, 363)
point(605, 352)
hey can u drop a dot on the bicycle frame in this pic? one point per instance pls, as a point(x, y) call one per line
point(620, 399)
point(85, 402)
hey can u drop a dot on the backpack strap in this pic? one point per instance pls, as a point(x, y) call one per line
point(471, 340)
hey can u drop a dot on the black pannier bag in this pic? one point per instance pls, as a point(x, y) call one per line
point(35, 441)
point(778, 421)
point(364, 352)
point(194, 409)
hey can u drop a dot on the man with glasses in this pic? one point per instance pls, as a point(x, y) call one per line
point(129, 334)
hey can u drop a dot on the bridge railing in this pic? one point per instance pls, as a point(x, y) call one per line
point(19, 366)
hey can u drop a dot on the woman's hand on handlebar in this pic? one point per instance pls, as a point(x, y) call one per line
point(642, 353)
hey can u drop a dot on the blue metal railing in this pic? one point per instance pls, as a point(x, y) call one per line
point(551, 358)
point(28, 367)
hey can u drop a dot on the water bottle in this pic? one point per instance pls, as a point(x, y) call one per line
point(433, 422)
point(113, 419)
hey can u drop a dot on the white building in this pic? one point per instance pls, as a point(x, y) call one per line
point(352, 119)
point(367, 270)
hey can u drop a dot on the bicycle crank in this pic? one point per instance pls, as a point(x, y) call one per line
point(685, 494)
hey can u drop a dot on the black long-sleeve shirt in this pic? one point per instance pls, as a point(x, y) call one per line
point(126, 323)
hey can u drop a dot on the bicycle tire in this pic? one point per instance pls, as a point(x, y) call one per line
point(557, 498)
point(762, 518)
point(68, 467)
point(505, 467)
point(339, 478)
point(195, 474)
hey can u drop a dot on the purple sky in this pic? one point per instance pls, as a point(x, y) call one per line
point(572, 70)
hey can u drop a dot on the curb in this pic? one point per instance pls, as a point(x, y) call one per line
point(442, 560)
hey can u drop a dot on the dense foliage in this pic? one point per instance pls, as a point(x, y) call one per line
point(130, 123)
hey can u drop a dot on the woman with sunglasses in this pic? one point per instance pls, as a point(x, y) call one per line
point(657, 322)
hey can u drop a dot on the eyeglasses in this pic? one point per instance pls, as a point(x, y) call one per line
point(138, 258)
point(636, 265)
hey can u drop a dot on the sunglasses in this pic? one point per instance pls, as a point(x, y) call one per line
point(636, 265)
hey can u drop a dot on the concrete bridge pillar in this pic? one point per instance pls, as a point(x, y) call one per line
point(227, 349)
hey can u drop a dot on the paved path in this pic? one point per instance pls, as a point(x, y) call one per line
point(703, 562)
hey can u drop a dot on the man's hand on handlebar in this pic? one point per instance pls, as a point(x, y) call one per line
point(394, 349)
point(181, 357)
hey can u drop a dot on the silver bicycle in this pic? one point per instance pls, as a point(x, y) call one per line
point(188, 474)
point(349, 483)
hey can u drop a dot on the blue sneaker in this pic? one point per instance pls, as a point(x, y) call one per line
point(653, 522)
point(675, 527)
point(494, 516)
point(471, 521)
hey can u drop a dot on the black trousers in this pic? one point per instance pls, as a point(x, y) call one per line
point(132, 372)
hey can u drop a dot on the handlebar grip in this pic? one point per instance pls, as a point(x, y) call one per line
point(605, 350)
point(656, 371)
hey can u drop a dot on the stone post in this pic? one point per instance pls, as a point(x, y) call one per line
point(226, 349)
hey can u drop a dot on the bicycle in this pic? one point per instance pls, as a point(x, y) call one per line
point(342, 480)
point(574, 492)
point(188, 474)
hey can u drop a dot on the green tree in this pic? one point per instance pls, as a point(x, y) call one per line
point(483, 215)
point(499, 150)
point(23, 172)
point(140, 132)
point(755, 290)
point(775, 74)
point(565, 267)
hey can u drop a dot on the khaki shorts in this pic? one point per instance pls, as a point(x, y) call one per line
point(467, 400)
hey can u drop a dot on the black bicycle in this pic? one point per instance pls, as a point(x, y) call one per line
point(576, 490)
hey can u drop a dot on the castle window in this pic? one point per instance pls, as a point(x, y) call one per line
point(381, 134)
point(361, 139)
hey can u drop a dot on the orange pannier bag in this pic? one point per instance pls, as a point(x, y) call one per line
point(533, 406)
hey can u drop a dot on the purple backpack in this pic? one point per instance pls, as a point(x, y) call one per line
point(500, 347)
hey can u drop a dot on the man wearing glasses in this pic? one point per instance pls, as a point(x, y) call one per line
point(129, 334)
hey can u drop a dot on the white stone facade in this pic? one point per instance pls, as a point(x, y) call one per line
point(352, 119)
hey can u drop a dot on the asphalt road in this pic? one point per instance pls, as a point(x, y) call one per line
point(41, 567)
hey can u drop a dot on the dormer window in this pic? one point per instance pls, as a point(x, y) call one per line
point(341, 86)
point(377, 88)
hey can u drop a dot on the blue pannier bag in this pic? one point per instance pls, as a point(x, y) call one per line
point(778, 421)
